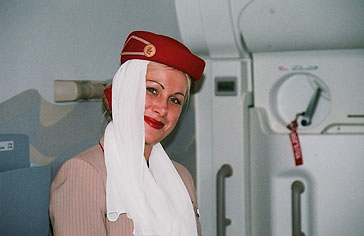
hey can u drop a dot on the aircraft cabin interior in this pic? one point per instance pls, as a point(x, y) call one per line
point(273, 134)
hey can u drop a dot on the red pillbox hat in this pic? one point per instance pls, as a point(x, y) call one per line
point(163, 49)
point(159, 48)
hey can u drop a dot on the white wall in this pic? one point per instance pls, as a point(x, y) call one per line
point(45, 40)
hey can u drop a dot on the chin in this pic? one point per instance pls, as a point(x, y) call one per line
point(152, 140)
point(152, 136)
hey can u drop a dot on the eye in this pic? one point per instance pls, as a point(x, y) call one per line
point(175, 101)
point(152, 90)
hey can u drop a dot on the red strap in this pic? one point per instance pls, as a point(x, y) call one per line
point(101, 147)
point(108, 95)
point(295, 141)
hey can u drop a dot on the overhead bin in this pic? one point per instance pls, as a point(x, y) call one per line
point(287, 25)
point(235, 28)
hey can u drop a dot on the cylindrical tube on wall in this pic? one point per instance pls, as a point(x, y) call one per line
point(74, 90)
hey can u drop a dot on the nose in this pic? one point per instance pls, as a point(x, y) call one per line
point(160, 106)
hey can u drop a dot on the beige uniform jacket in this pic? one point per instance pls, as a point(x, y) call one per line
point(78, 203)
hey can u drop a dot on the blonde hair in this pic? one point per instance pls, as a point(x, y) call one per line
point(106, 109)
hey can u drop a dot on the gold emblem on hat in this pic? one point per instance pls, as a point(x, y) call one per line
point(149, 50)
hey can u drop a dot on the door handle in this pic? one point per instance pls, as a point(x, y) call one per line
point(297, 189)
point(221, 220)
point(308, 114)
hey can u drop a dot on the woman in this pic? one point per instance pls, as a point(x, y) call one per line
point(127, 185)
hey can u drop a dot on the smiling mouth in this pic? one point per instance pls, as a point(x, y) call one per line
point(153, 123)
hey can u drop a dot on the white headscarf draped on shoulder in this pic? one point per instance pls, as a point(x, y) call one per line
point(155, 198)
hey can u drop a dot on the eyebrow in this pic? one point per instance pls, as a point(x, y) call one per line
point(163, 86)
point(156, 82)
point(180, 94)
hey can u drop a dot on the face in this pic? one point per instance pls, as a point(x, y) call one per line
point(166, 90)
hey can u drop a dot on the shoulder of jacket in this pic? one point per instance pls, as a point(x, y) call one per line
point(185, 174)
point(180, 168)
point(92, 158)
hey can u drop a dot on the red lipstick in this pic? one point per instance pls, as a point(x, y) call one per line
point(153, 123)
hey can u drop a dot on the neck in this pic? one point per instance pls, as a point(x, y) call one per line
point(147, 151)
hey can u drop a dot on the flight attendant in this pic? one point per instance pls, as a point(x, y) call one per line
point(127, 185)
